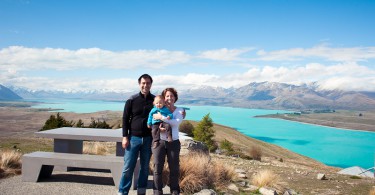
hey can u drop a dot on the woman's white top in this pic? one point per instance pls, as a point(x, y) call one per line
point(174, 123)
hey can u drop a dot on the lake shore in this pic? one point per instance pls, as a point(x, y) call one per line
point(342, 119)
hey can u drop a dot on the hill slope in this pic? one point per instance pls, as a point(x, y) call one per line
point(7, 94)
point(296, 172)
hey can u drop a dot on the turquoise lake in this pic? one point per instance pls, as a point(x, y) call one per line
point(332, 146)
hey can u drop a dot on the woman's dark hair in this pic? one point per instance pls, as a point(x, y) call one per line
point(144, 76)
point(172, 90)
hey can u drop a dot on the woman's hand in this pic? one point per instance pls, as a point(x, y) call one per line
point(157, 116)
point(161, 127)
point(183, 114)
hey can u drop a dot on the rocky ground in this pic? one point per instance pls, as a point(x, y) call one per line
point(299, 178)
point(296, 172)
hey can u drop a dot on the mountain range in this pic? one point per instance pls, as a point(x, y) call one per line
point(266, 95)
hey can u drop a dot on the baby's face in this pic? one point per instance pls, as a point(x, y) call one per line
point(159, 103)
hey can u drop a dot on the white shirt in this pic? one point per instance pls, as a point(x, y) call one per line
point(174, 123)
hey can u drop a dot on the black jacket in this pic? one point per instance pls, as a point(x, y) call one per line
point(134, 119)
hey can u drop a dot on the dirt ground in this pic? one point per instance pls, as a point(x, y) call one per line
point(23, 122)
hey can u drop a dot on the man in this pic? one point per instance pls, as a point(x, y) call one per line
point(137, 136)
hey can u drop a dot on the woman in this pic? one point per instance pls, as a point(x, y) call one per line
point(169, 149)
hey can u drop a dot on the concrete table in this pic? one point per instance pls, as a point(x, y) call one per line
point(70, 139)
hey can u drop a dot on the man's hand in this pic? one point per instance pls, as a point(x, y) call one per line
point(125, 142)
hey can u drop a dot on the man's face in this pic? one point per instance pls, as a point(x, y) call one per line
point(145, 85)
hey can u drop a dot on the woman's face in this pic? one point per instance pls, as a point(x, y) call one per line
point(169, 98)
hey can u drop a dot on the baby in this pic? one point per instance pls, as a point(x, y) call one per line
point(151, 122)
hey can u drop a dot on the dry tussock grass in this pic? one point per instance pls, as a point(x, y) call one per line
point(372, 191)
point(198, 171)
point(98, 148)
point(221, 174)
point(265, 178)
point(10, 163)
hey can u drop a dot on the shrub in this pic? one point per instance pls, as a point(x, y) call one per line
point(226, 145)
point(256, 153)
point(56, 122)
point(99, 124)
point(80, 124)
point(10, 163)
point(246, 157)
point(355, 177)
point(186, 127)
point(265, 178)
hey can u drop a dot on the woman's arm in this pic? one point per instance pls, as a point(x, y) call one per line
point(177, 117)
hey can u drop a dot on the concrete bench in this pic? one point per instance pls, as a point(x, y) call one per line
point(39, 165)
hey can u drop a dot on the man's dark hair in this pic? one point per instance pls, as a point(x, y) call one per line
point(144, 76)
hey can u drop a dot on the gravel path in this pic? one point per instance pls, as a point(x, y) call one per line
point(69, 183)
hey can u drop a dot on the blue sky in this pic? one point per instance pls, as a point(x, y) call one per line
point(105, 45)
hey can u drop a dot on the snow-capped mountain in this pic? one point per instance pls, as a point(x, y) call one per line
point(269, 95)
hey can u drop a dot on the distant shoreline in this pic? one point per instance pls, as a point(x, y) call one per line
point(341, 128)
point(341, 119)
point(334, 120)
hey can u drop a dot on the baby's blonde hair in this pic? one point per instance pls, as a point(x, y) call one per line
point(159, 97)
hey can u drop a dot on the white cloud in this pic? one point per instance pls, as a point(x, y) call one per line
point(21, 58)
point(341, 76)
point(353, 54)
point(349, 76)
point(349, 83)
point(17, 62)
point(224, 54)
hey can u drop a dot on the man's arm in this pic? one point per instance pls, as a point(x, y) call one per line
point(126, 116)
point(125, 142)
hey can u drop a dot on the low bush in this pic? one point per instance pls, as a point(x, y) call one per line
point(226, 145)
point(256, 153)
point(355, 177)
point(186, 127)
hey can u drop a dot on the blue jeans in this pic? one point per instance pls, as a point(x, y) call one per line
point(137, 146)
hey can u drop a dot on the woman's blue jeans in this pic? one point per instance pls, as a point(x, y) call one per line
point(137, 146)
